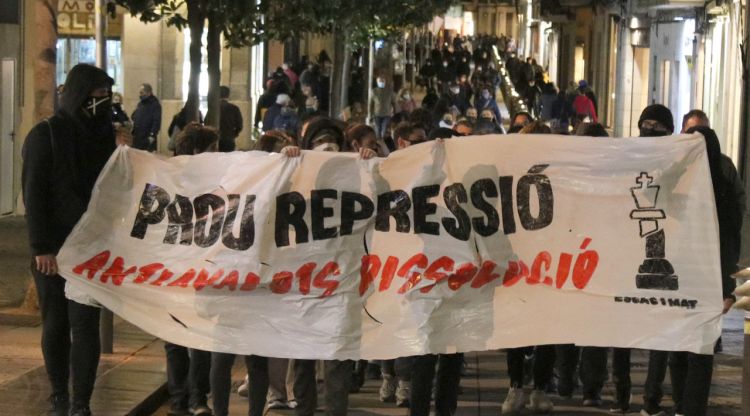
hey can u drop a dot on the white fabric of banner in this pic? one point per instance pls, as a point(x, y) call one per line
point(464, 244)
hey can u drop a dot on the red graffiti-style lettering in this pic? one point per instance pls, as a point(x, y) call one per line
point(147, 272)
point(543, 259)
point(433, 272)
point(203, 281)
point(585, 266)
point(252, 281)
point(281, 283)
point(184, 280)
point(166, 274)
point(517, 270)
point(413, 278)
point(463, 275)
point(231, 281)
point(304, 274)
point(321, 281)
point(486, 274)
point(563, 269)
point(93, 265)
point(116, 272)
point(367, 273)
point(389, 271)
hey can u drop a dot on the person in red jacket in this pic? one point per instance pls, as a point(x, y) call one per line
point(584, 107)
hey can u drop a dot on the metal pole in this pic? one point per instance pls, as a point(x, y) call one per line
point(106, 335)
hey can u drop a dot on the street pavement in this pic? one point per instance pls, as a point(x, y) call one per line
point(485, 385)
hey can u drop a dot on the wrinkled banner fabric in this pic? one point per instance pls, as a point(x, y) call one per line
point(466, 244)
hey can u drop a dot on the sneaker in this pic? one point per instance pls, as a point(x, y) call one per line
point(292, 404)
point(403, 391)
point(277, 404)
point(59, 404)
point(388, 389)
point(514, 402)
point(82, 410)
point(201, 410)
point(660, 412)
point(539, 402)
point(243, 389)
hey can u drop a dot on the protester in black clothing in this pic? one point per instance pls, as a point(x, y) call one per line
point(119, 116)
point(230, 123)
point(655, 121)
point(146, 120)
point(63, 157)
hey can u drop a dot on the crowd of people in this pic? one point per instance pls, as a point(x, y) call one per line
point(64, 155)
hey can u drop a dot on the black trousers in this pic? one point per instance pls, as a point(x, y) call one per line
point(657, 372)
point(400, 367)
point(621, 376)
point(337, 379)
point(187, 375)
point(448, 380)
point(691, 382)
point(544, 363)
point(70, 339)
point(593, 369)
point(221, 382)
point(652, 389)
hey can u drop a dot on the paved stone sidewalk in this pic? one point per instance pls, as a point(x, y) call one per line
point(486, 383)
point(130, 381)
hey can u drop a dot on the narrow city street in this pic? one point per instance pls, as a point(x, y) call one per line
point(185, 180)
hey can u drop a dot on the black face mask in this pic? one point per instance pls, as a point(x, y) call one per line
point(98, 108)
point(648, 132)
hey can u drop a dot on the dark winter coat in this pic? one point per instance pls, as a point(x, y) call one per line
point(230, 125)
point(146, 122)
point(62, 159)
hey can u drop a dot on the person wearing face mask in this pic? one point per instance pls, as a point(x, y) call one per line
point(62, 158)
point(146, 120)
point(455, 99)
point(282, 100)
point(406, 103)
point(119, 116)
point(485, 101)
point(446, 74)
point(287, 120)
point(655, 121)
point(382, 106)
point(324, 134)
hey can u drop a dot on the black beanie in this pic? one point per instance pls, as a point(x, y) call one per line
point(658, 112)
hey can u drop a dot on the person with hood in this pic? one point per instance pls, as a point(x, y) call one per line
point(62, 159)
point(655, 121)
point(146, 120)
point(692, 373)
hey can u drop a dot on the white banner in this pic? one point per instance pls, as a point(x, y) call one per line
point(466, 244)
